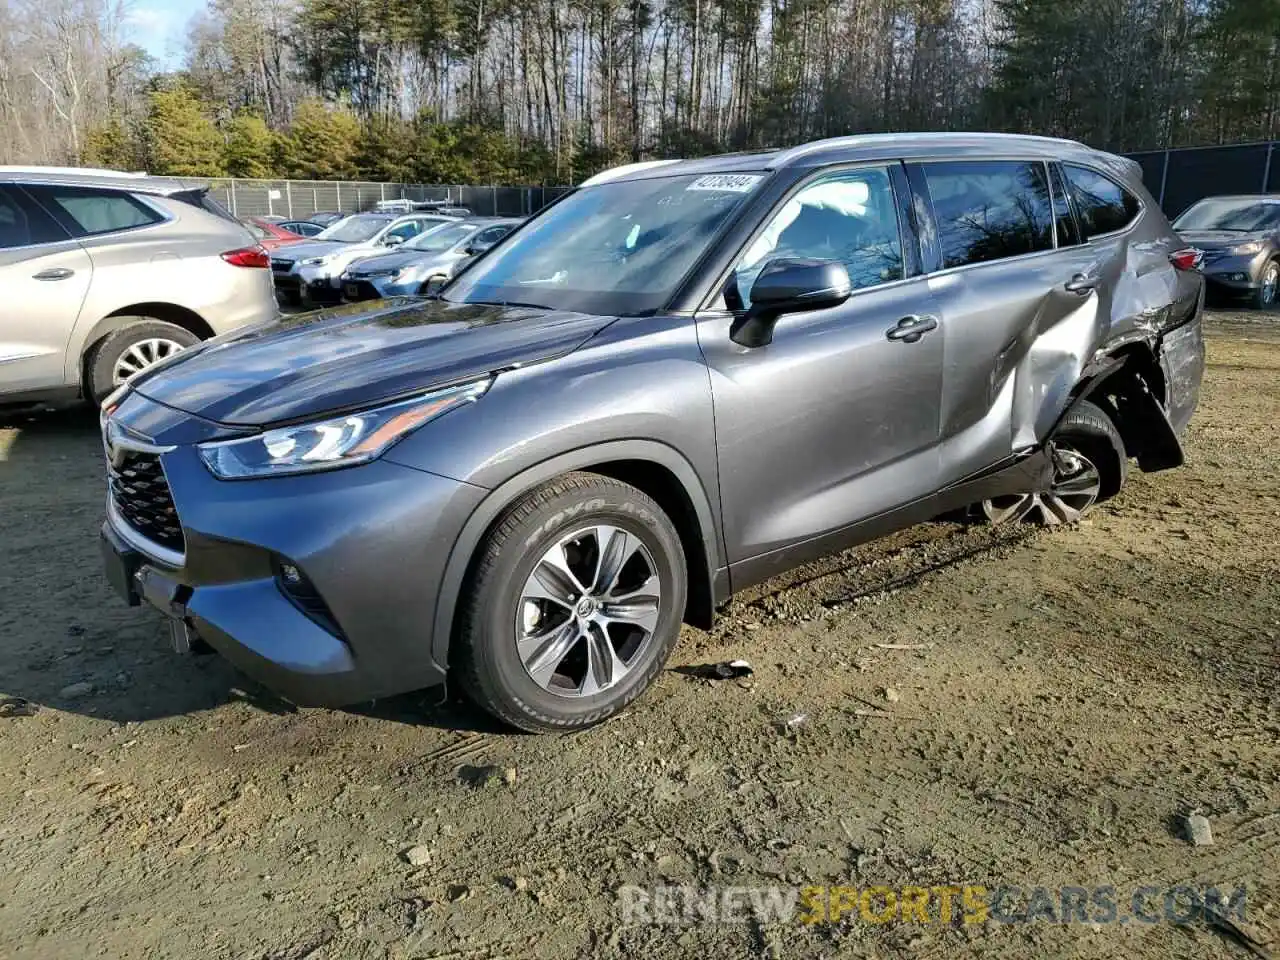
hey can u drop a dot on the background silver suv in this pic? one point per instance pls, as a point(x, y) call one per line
point(105, 273)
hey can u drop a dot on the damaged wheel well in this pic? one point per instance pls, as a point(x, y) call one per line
point(1129, 386)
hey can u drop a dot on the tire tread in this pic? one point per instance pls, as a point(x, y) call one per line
point(467, 655)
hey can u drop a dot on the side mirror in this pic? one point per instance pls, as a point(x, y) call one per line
point(433, 286)
point(392, 240)
point(789, 285)
point(475, 249)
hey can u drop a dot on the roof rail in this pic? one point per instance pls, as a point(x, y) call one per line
point(83, 171)
point(869, 139)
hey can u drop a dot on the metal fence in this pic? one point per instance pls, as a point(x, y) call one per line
point(301, 198)
point(1177, 177)
point(1180, 177)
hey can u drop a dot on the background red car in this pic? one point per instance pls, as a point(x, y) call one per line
point(270, 235)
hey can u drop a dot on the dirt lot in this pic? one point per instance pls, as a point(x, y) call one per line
point(1074, 693)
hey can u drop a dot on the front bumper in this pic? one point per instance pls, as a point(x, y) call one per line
point(374, 288)
point(1234, 275)
point(372, 540)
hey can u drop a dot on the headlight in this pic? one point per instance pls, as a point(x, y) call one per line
point(340, 442)
point(1241, 249)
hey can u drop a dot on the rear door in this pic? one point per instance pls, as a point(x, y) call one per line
point(44, 276)
point(1018, 295)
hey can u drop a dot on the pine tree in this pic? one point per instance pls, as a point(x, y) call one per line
point(250, 147)
point(322, 143)
point(181, 140)
point(111, 145)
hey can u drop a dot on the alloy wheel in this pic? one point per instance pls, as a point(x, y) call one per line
point(588, 611)
point(1075, 488)
point(143, 354)
point(1270, 281)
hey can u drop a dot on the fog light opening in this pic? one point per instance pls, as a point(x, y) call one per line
point(295, 585)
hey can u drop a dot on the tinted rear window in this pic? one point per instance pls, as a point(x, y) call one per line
point(990, 209)
point(86, 212)
point(1103, 205)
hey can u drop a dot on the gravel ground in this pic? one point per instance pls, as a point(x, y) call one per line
point(947, 706)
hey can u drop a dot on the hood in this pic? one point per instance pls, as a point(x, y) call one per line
point(309, 364)
point(1215, 239)
point(367, 266)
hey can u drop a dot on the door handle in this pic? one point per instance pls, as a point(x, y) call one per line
point(54, 273)
point(912, 328)
point(1080, 284)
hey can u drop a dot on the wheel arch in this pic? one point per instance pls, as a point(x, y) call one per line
point(168, 312)
point(1129, 385)
point(653, 467)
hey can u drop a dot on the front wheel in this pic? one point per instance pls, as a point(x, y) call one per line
point(574, 605)
point(1089, 466)
point(1265, 296)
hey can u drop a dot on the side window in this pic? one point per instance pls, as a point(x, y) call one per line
point(1063, 218)
point(409, 229)
point(23, 224)
point(487, 238)
point(1102, 203)
point(990, 209)
point(850, 217)
point(86, 212)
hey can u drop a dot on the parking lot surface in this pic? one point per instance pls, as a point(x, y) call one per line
point(947, 707)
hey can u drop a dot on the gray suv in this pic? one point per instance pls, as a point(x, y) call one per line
point(106, 273)
point(679, 380)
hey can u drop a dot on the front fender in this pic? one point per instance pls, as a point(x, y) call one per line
point(503, 496)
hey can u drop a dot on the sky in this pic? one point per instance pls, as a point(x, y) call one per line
point(160, 27)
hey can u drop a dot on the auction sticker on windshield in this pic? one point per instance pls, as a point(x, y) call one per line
point(727, 182)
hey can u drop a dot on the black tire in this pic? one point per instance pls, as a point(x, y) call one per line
point(289, 298)
point(1088, 429)
point(1260, 299)
point(100, 368)
point(1089, 466)
point(484, 654)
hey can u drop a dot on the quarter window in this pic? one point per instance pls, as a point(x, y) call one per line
point(989, 210)
point(87, 213)
point(1104, 206)
point(850, 217)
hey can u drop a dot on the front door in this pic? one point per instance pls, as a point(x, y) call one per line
point(836, 420)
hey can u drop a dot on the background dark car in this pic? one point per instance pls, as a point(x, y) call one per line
point(1240, 237)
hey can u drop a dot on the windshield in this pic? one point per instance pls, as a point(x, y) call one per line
point(440, 238)
point(616, 249)
point(1240, 215)
point(355, 229)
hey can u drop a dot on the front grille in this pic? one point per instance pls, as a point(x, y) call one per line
point(363, 290)
point(283, 266)
point(141, 494)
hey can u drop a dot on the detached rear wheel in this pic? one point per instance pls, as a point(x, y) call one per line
point(1089, 466)
point(574, 605)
